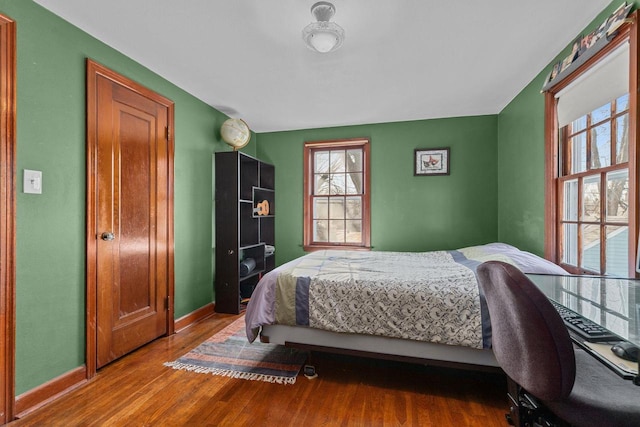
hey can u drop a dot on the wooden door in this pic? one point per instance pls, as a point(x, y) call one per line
point(131, 156)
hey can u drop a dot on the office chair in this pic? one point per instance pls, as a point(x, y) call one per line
point(551, 383)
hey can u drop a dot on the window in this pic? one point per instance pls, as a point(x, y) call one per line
point(593, 188)
point(336, 194)
point(591, 165)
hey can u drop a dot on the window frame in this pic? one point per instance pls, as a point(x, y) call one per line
point(553, 156)
point(310, 148)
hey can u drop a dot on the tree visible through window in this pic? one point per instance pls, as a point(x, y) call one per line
point(594, 190)
point(336, 209)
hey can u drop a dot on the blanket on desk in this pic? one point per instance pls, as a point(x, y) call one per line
point(423, 296)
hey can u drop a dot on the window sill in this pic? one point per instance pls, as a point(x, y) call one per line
point(311, 248)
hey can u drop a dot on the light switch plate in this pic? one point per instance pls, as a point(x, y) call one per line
point(32, 182)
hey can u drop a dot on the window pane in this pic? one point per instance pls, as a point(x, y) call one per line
point(601, 113)
point(570, 247)
point(336, 231)
point(354, 183)
point(591, 247)
point(321, 208)
point(320, 231)
point(622, 138)
point(322, 184)
point(337, 160)
point(601, 146)
point(578, 146)
point(336, 208)
point(622, 103)
point(571, 200)
point(354, 231)
point(354, 160)
point(617, 250)
point(321, 161)
point(618, 196)
point(354, 207)
point(579, 124)
point(591, 198)
point(337, 184)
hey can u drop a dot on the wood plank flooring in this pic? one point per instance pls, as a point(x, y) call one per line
point(138, 390)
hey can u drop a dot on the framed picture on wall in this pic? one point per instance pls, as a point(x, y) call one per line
point(431, 161)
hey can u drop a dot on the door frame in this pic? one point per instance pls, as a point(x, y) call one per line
point(7, 217)
point(95, 70)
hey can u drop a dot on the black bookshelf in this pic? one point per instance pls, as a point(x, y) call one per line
point(245, 223)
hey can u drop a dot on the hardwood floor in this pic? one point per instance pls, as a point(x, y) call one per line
point(138, 390)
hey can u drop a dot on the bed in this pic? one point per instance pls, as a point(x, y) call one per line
point(417, 306)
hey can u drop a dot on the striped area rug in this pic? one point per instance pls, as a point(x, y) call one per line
point(229, 353)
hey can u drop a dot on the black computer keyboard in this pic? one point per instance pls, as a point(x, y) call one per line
point(583, 327)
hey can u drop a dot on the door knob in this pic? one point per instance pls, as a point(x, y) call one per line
point(107, 236)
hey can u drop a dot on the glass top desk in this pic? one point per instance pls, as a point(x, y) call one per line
point(611, 302)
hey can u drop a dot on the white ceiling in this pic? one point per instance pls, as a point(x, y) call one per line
point(401, 60)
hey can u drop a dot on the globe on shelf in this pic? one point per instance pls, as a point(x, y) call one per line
point(236, 133)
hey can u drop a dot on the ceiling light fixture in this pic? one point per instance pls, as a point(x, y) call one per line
point(323, 36)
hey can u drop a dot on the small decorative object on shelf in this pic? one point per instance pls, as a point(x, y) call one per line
point(617, 18)
point(236, 133)
point(246, 266)
point(262, 208)
point(245, 227)
point(584, 47)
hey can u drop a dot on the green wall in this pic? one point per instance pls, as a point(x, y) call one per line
point(521, 170)
point(521, 159)
point(408, 213)
point(51, 227)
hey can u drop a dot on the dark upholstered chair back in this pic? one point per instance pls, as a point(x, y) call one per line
point(529, 339)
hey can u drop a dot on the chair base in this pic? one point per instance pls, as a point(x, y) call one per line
point(527, 411)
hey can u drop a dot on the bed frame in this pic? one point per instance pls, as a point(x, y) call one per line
point(422, 352)
point(379, 347)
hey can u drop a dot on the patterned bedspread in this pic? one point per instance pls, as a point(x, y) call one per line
point(424, 296)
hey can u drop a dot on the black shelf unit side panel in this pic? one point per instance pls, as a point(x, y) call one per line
point(227, 233)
